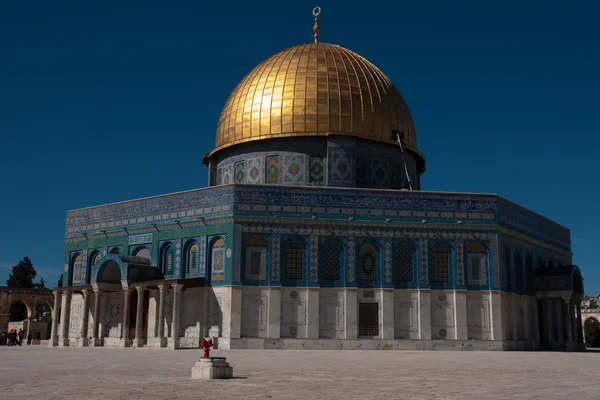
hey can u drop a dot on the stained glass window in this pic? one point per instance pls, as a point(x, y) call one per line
point(192, 259)
point(218, 256)
point(77, 268)
point(96, 258)
point(294, 257)
point(368, 263)
point(331, 256)
point(256, 258)
point(476, 264)
point(167, 260)
point(404, 263)
point(441, 263)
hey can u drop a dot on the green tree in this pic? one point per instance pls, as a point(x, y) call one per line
point(41, 284)
point(59, 284)
point(22, 274)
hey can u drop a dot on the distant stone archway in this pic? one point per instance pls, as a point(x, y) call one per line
point(19, 304)
point(591, 330)
point(18, 312)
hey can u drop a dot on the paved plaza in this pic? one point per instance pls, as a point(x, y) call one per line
point(41, 373)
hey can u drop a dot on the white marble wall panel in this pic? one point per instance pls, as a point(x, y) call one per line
point(191, 316)
point(293, 312)
point(331, 313)
point(478, 316)
point(113, 314)
point(442, 315)
point(255, 304)
point(406, 314)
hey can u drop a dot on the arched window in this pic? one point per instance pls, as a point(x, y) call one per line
point(517, 269)
point(167, 257)
point(368, 263)
point(191, 259)
point(294, 259)
point(331, 261)
point(115, 250)
point(95, 258)
point(217, 256)
point(255, 268)
point(441, 263)
point(476, 264)
point(77, 268)
point(405, 260)
point(142, 252)
point(541, 263)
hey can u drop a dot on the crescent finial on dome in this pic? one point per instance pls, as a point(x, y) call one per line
point(316, 28)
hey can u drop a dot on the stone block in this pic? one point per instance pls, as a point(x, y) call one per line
point(212, 368)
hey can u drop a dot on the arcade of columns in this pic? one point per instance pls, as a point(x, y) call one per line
point(61, 339)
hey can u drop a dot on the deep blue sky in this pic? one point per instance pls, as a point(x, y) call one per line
point(120, 99)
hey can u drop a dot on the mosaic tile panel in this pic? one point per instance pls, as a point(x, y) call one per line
point(460, 265)
point(361, 171)
point(316, 170)
point(424, 262)
point(275, 243)
point(240, 172)
point(294, 168)
point(237, 253)
point(272, 169)
point(219, 177)
point(178, 259)
point(351, 260)
point(314, 258)
point(495, 272)
point(255, 171)
point(202, 255)
point(228, 174)
point(387, 262)
point(340, 167)
point(261, 274)
point(380, 174)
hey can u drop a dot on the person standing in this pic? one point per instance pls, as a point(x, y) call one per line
point(20, 336)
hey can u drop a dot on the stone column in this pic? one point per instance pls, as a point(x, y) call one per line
point(139, 316)
point(65, 319)
point(274, 313)
point(312, 313)
point(579, 324)
point(175, 335)
point(386, 320)
point(460, 315)
point(351, 321)
point(54, 331)
point(125, 341)
point(83, 327)
point(97, 300)
point(568, 323)
point(27, 331)
point(161, 316)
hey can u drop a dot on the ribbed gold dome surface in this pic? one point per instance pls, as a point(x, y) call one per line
point(314, 89)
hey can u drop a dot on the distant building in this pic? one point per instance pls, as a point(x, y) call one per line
point(314, 233)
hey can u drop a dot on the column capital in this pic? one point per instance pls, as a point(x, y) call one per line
point(98, 291)
point(161, 288)
point(66, 294)
point(140, 289)
point(85, 292)
point(177, 286)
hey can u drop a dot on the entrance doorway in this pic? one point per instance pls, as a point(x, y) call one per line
point(368, 319)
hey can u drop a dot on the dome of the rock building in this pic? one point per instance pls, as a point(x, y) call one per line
point(315, 89)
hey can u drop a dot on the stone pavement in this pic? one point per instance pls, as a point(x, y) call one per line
point(36, 372)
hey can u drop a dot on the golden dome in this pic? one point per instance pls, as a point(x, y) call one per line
point(315, 89)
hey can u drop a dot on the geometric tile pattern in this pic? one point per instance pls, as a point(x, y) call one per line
point(219, 177)
point(379, 174)
point(177, 258)
point(351, 260)
point(314, 258)
point(424, 262)
point(275, 242)
point(240, 172)
point(387, 262)
point(272, 169)
point(255, 171)
point(316, 170)
point(460, 265)
point(294, 168)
